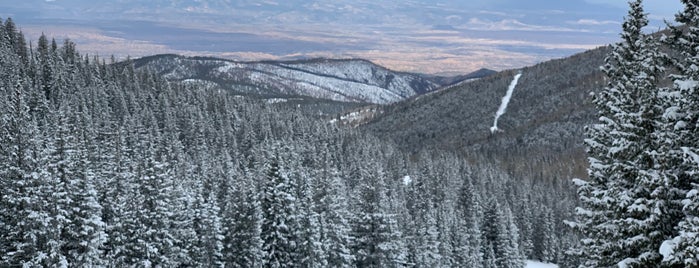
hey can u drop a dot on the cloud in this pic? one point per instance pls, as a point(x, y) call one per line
point(456, 37)
point(496, 13)
point(593, 22)
point(453, 17)
point(513, 25)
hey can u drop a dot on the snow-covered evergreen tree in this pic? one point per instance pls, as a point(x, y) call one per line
point(500, 232)
point(334, 215)
point(545, 246)
point(622, 202)
point(209, 245)
point(277, 202)
point(470, 247)
point(679, 137)
point(378, 240)
point(242, 219)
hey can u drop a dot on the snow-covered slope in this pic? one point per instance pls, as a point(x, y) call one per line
point(338, 80)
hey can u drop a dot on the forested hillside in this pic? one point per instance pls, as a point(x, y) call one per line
point(542, 129)
point(103, 165)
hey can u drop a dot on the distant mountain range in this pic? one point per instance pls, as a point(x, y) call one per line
point(344, 80)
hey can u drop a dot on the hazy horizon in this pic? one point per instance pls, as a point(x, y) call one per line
point(417, 36)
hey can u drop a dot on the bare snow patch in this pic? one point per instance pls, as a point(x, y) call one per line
point(686, 84)
point(276, 100)
point(536, 264)
point(407, 180)
point(505, 101)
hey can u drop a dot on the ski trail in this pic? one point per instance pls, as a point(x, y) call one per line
point(505, 101)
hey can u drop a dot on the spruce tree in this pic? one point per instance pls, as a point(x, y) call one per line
point(209, 239)
point(242, 221)
point(24, 218)
point(334, 214)
point(277, 201)
point(379, 242)
point(622, 200)
point(545, 247)
point(679, 137)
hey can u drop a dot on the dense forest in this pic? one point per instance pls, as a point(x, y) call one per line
point(102, 165)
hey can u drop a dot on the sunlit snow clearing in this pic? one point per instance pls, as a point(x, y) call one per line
point(505, 101)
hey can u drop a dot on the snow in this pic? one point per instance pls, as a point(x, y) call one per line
point(230, 66)
point(505, 101)
point(355, 81)
point(357, 117)
point(667, 248)
point(691, 154)
point(672, 112)
point(686, 84)
point(360, 71)
point(339, 80)
point(536, 264)
point(624, 263)
point(321, 86)
point(276, 100)
point(407, 180)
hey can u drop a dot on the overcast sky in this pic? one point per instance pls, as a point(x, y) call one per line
point(431, 36)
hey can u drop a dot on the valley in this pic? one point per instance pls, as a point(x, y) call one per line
point(169, 160)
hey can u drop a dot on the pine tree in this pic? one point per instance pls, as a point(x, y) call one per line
point(524, 220)
point(25, 221)
point(149, 231)
point(622, 201)
point(209, 245)
point(469, 238)
point(545, 246)
point(678, 137)
point(277, 203)
point(87, 248)
point(309, 248)
point(334, 214)
point(243, 217)
point(379, 242)
point(75, 210)
point(489, 259)
point(427, 235)
point(118, 186)
point(508, 254)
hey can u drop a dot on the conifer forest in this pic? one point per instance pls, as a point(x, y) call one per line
point(105, 164)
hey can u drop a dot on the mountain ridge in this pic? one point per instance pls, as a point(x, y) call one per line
point(343, 80)
point(543, 123)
